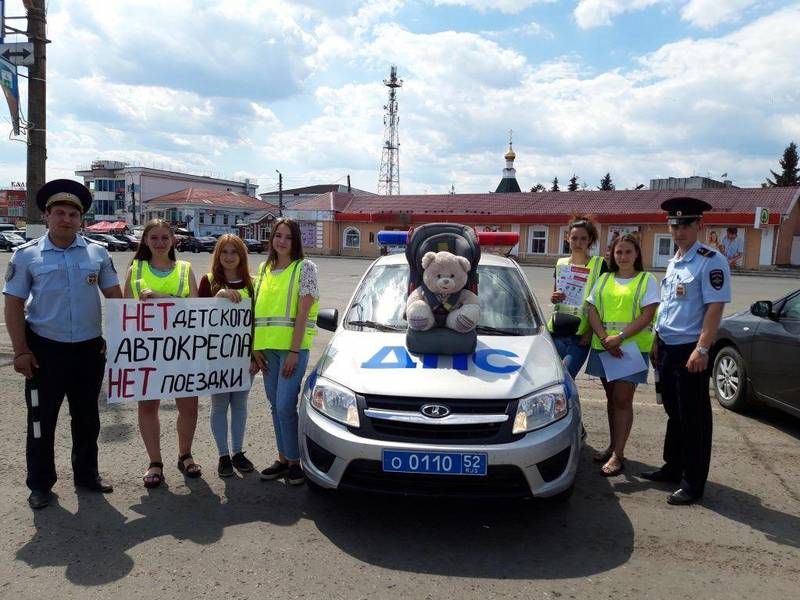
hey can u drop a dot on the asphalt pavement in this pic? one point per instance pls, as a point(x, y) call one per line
point(244, 538)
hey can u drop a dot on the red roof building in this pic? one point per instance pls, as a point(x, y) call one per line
point(349, 223)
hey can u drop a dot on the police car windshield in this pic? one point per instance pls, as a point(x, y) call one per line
point(506, 303)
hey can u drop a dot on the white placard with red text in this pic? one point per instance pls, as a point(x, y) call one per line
point(176, 347)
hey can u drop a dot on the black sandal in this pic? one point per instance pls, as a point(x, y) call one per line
point(153, 480)
point(193, 470)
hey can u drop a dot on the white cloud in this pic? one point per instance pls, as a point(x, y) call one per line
point(505, 6)
point(594, 13)
point(710, 13)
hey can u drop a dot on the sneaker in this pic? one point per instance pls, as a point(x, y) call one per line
point(225, 467)
point(241, 463)
point(295, 475)
point(278, 469)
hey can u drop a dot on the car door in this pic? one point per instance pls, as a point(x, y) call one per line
point(776, 355)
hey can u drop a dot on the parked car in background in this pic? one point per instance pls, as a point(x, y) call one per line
point(112, 243)
point(131, 240)
point(10, 240)
point(21, 233)
point(198, 244)
point(757, 356)
point(253, 245)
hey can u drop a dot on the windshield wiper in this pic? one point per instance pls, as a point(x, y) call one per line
point(485, 329)
point(375, 325)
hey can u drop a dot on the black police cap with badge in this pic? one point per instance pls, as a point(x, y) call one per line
point(64, 191)
point(684, 210)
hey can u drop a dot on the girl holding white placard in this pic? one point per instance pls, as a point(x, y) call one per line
point(156, 273)
point(622, 306)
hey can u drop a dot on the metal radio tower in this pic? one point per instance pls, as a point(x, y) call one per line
point(389, 176)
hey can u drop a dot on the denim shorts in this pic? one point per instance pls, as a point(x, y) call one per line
point(569, 348)
point(595, 368)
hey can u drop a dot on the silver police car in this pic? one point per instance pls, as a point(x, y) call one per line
point(504, 421)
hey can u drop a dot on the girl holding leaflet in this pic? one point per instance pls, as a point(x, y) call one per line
point(155, 273)
point(622, 306)
point(568, 325)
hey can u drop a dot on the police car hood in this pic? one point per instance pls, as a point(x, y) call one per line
point(501, 366)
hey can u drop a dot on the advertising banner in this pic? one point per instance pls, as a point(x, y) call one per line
point(729, 241)
point(176, 347)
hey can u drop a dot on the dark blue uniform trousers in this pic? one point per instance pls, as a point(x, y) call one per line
point(75, 370)
point(687, 444)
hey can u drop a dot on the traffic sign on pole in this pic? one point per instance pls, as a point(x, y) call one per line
point(20, 54)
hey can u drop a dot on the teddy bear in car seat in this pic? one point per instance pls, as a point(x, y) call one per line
point(441, 300)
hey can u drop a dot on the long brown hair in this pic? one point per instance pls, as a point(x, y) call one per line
point(218, 271)
point(297, 241)
point(631, 238)
point(143, 252)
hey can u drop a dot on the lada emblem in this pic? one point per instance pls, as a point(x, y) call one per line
point(435, 411)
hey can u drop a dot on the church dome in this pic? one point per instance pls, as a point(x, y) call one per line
point(510, 155)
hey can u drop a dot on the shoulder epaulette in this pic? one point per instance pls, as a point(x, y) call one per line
point(28, 244)
point(707, 252)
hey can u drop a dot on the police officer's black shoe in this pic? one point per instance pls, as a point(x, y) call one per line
point(96, 485)
point(681, 497)
point(661, 476)
point(39, 498)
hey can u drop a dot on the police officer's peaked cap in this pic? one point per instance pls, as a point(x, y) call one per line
point(64, 191)
point(684, 209)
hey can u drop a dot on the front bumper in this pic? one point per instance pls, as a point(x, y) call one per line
point(542, 463)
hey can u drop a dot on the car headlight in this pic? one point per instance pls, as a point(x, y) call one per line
point(540, 409)
point(335, 401)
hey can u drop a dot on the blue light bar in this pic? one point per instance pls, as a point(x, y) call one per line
point(392, 238)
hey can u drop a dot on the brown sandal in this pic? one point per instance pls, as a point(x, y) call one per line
point(612, 470)
point(192, 470)
point(153, 480)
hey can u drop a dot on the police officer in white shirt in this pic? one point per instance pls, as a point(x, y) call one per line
point(694, 292)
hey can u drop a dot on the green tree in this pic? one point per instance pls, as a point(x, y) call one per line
point(573, 183)
point(538, 188)
point(555, 187)
point(791, 173)
point(606, 184)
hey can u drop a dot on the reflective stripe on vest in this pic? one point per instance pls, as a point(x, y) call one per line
point(618, 308)
point(245, 293)
point(276, 309)
point(594, 265)
point(176, 284)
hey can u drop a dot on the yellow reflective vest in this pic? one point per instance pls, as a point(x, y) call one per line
point(277, 297)
point(245, 293)
point(594, 265)
point(618, 306)
point(176, 284)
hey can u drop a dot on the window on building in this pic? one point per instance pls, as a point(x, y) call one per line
point(352, 238)
point(264, 233)
point(213, 218)
point(225, 219)
point(371, 237)
point(201, 217)
point(538, 241)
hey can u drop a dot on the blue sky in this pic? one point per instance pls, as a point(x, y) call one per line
point(640, 88)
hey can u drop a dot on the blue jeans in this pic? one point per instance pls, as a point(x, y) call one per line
point(219, 420)
point(283, 395)
point(569, 347)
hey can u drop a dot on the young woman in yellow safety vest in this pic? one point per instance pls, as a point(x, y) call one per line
point(622, 306)
point(230, 279)
point(286, 307)
point(569, 325)
point(155, 273)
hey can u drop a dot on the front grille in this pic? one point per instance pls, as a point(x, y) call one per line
point(435, 432)
point(500, 481)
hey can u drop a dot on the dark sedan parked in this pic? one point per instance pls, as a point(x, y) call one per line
point(253, 245)
point(758, 356)
point(10, 240)
point(111, 242)
point(198, 244)
point(131, 240)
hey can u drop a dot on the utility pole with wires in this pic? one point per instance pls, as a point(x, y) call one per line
point(280, 193)
point(37, 113)
point(389, 174)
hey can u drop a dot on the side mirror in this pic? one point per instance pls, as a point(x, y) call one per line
point(328, 318)
point(762, 308)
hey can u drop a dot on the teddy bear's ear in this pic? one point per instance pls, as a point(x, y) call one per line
point(428, 259)
point(464, 263)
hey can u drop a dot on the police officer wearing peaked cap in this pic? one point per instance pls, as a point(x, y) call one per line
point(53, 316)
point(694, 292)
